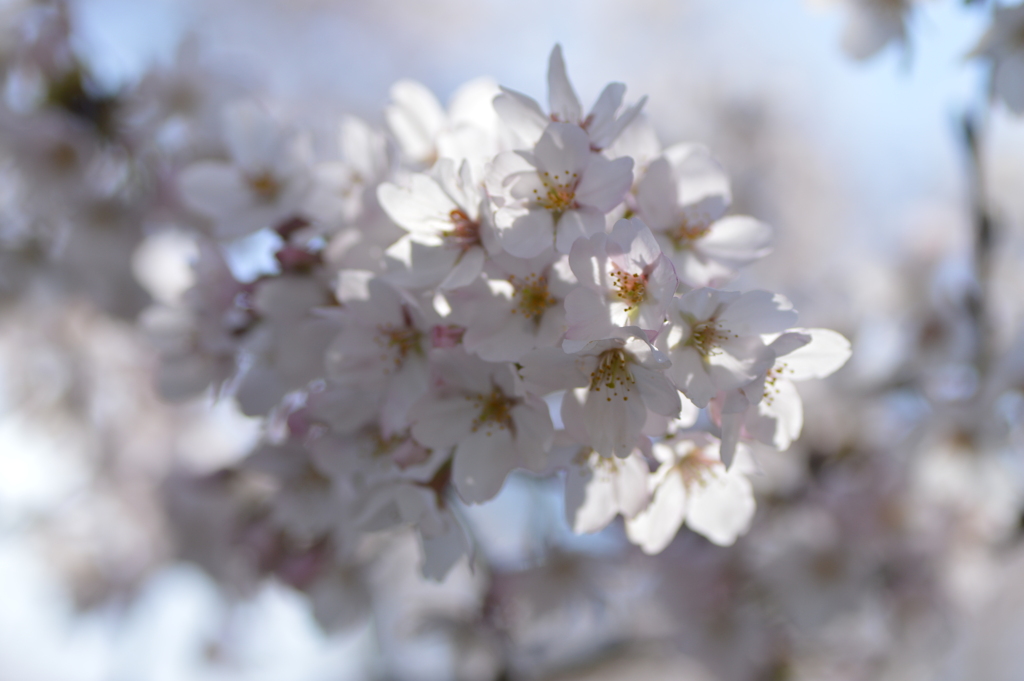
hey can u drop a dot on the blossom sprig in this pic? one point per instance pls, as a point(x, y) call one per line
point(439, 310)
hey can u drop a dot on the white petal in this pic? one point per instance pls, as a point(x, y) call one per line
point(442, 551)
point(563, 150)
point(783, 405)
point(529, 234)
point(654, 528)
point(441, 423)
point(589, 499)
point(700, 179)
point(581, 223)
point(604, 182)
point(823, 356)
point(423, 208)
point(756, 312)
point(415, 118)
point(660, 396)
point(522, 114)
point(565, 105)
point(738, 239)
point(254, 137)
point(614, 418)
point(587, 316)
point(552, 368)
point(721, 509)
point(690, 376)
point(656, 196)
point(467, 268)
point(533, 433)
point(482, 461)
point(216, 190)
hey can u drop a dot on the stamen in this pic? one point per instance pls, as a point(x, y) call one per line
point(465, 232)
point(688, 231)
point(632, 288)
point(495, 411)
point(398, 342)
point(612, 374)
point(706, 336)
point(265, 186)
point(533, 296)
point(560, 192)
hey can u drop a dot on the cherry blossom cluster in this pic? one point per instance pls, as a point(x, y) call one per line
point(450, 289)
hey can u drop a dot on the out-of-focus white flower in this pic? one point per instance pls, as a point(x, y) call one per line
point(873, 24)
point(625, 280)
point(683, 196)
point(605, 122)
point(691, 485)
point(1003, 45)
point(263, 185)
point(468, 132)
point(555, 194)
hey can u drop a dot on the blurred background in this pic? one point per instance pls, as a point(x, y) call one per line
point(887, 543)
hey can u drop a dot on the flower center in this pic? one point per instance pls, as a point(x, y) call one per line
point(398, 342)
point(632, 288)
point(264, 185)
point(705, 337)
point(560, 191)
point(534, 298)
point(688, 231)
point(612, 374)
point(465, 232)
point(696, 469)
point(495, 410)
